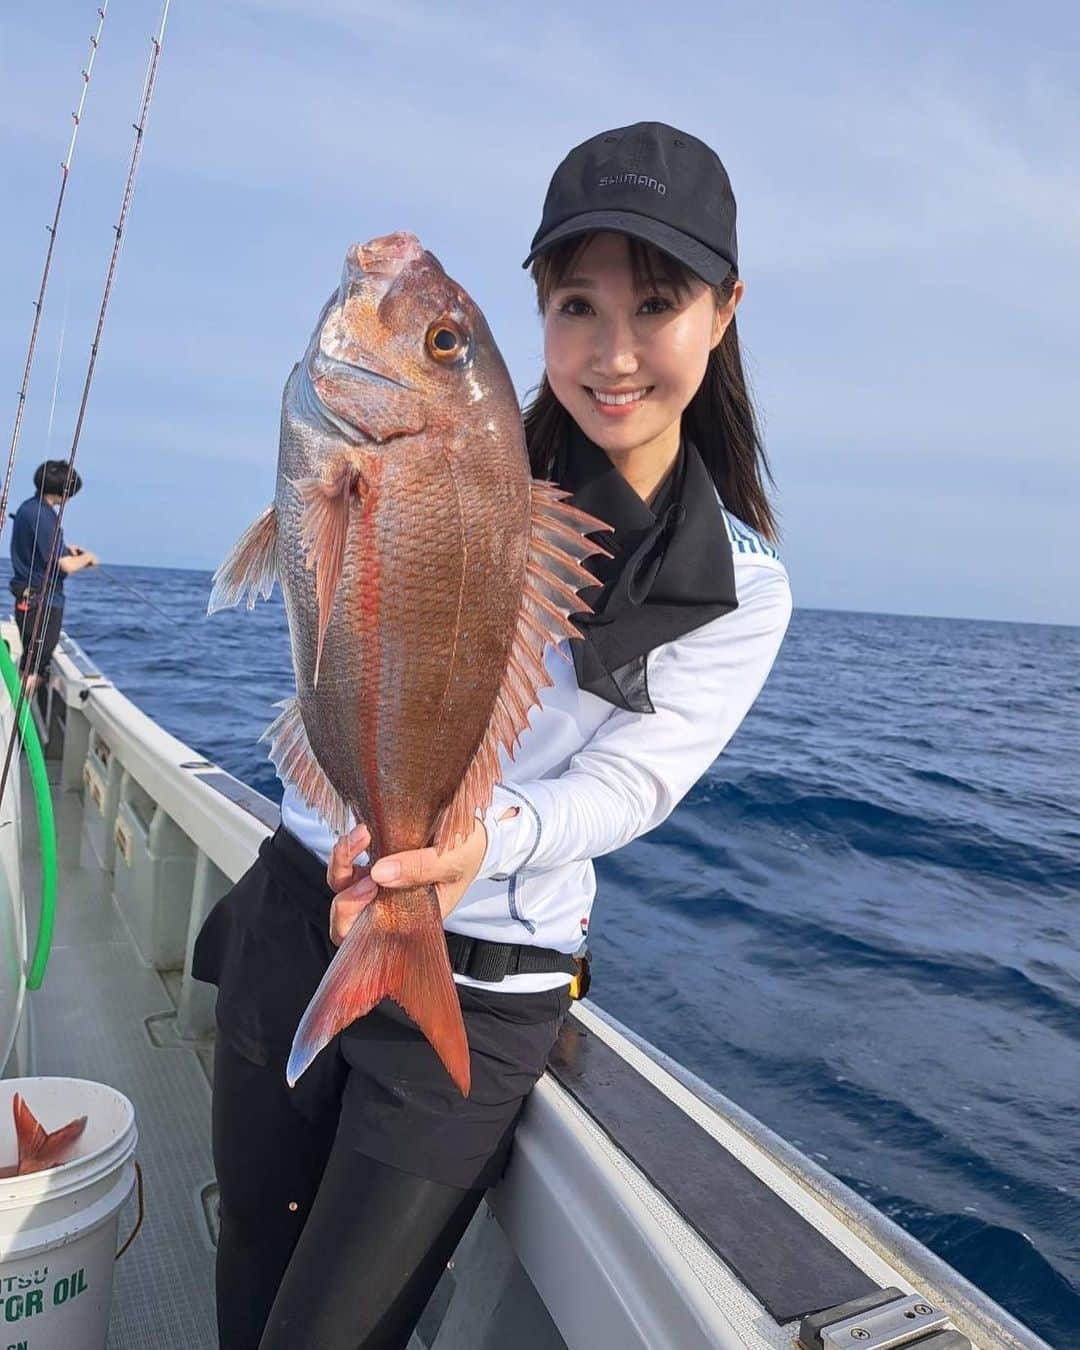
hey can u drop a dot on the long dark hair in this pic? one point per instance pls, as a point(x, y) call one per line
point(720, 418)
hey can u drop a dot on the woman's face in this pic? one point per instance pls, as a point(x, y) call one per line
point(625, 362)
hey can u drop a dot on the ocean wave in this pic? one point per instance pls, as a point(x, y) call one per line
point(798, 947)
point(998, 1259)
point(879, 831)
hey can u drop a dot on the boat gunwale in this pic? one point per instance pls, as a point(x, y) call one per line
point(976, 1313)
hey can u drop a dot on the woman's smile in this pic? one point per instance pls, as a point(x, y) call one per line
point(619, 402)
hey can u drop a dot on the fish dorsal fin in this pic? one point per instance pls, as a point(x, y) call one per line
point(249, 569)
point(324, 530)
point(295, 762)
point(553, 577)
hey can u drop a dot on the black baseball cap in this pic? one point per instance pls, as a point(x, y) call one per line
point(653, 183)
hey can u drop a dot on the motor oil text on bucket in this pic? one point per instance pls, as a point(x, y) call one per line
point(18, 1306)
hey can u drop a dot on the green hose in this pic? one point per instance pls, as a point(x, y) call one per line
point(39, 779)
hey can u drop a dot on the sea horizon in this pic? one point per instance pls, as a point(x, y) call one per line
point(803, 609)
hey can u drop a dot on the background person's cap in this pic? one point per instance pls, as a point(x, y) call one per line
point(653, 183)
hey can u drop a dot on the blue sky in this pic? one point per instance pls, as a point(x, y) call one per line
point(909, 198)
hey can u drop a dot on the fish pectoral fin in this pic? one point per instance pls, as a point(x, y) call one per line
point(553, 576)
point(385, 957)
point(324, 530)
point(295, 762)
point(250, 568)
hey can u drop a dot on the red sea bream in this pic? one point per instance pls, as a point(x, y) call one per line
point(424, 574)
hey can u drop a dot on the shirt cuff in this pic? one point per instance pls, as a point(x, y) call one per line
point(511, 842)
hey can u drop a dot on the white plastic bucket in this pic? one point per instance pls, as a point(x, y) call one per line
point(58, 1228)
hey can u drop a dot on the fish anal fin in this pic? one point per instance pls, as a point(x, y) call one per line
point(558, 544)
point(249, 570)
point(295, 762)
point(324, 530)
point(384, 957)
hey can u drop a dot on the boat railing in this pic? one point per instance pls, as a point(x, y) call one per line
point(13, 935)
point(170, 830)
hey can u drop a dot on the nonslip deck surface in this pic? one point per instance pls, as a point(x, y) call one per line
point(89, 1020)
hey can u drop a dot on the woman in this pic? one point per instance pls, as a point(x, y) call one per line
point(342, 1200)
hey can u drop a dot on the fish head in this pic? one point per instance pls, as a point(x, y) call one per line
point(401, 346)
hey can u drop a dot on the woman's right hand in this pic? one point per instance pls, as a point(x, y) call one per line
point(353, 888)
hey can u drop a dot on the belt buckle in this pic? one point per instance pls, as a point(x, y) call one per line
point(579, 985)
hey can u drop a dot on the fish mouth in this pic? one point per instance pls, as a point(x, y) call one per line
point(385, 257)
point(343, 393)
point(336, 352)
point(350, 386)
point(370, 272)
point(323, 365)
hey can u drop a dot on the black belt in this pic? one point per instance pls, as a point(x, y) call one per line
point(493, 961)
point(305, 880)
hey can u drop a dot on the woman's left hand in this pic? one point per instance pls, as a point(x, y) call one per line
point(451, 873)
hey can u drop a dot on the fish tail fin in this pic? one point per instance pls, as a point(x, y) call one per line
point(389, 954)
point(29, 1132)
point(38, 1149)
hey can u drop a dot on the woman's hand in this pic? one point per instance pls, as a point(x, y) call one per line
point(352, 887)
point(451, 873)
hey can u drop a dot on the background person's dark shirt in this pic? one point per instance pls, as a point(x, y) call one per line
point(31, 541)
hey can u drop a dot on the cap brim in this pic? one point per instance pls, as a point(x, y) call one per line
point(702, 261)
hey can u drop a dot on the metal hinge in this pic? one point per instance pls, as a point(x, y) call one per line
point(880, 1321)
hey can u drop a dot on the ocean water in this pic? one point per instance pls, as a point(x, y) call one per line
point(862, 924)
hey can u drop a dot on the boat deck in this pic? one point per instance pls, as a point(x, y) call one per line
point(103, 1014)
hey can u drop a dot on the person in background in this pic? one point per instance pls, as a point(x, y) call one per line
point(33, 537)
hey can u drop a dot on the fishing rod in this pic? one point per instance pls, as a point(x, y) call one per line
point(134, 591)
point(52, 566)
point(39, 304)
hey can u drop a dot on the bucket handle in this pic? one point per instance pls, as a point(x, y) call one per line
point(142, 1212)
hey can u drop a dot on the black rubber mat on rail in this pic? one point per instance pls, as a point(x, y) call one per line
point(784, 1261)
point(254, 803)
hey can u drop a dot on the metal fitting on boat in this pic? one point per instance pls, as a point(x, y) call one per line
point(880, 1321)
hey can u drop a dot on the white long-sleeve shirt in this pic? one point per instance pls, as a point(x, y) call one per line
point(588, 777)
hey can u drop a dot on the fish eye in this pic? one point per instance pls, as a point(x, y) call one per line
point(445, 341)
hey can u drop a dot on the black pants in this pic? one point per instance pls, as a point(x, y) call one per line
point(320, 1246)
point(343, 1198)
point(40, 659)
